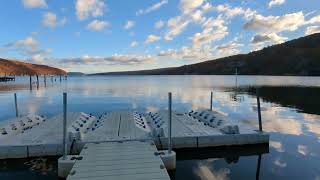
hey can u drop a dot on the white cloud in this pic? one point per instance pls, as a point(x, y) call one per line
point(276, 3)
point(87, 8)
point(133, 44)
point(228, 49)
point(175, 26)
point(230, 12)
point(313, 20)
point(152, 38)
point(116, 59)
point(189, 53)
point(213, 29)
point(151, 8)
point(34, 3)
point(312, 30)
point(50, 20)
point(129, 24)
point(274, 24)
point(97, 25)
point(272, 37)
point(159, 24)
point(28, 41)
point(187, 6)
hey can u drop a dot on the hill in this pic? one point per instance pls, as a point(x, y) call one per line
point(296, 57)
point(15, 68)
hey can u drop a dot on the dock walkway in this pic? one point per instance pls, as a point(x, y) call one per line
point(119, 160)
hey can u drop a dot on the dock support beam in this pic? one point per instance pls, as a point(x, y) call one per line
point(211, 101)
point(30, 82)
point(16, 104)
point(65, 147)
point(169, 123)
point(259, 109)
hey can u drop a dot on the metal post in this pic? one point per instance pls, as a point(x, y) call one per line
point(65, 146)
point(169, 123)
point(259, 110)
point(211, 101)
point(16, 104)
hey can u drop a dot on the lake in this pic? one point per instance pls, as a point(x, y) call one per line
point(290, 113)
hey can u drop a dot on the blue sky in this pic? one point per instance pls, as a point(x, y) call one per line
point(118, 35)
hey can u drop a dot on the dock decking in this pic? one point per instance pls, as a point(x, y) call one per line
point(119, 161)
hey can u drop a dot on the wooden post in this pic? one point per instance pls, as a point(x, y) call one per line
point(16, 104)
point(60, 78)
point(259, 110)
point(45, 80)
point(65, 146)
point(211, 101)
point(169, 123)
point(37, 81)
point(30, 82)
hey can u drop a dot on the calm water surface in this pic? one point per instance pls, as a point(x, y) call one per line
point(290, 113)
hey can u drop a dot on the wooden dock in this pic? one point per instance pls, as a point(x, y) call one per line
point(119, 160)
point(5, 79)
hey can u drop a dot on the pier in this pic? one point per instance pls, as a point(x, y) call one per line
point(5, 79)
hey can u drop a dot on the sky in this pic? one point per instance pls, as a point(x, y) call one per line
point(93, 36)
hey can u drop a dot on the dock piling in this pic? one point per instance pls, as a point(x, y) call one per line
point(169, 123)
point(259, 109)
point(65, 126)
point(30, 82)
point(16, 104)
point(211, 101)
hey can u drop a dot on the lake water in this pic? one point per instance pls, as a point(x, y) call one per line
point(290, 113)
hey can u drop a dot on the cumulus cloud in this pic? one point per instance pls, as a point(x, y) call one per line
point(272, 37)
point(274, 24)
point(312, 30)
point(276, 3)
point(133, 44)
point(175, 26)
point(154, 7)
point(29, 47)
point(34, 3)
point(159, 24)
point(129, 24)
point(213, 29)
point(50, 20)
point(230, 12)
point(187, 6)
point(229, 49)
point(97, 25)
point(87, 8)
point(116, 59)
point(152, 38)
point(189, 53)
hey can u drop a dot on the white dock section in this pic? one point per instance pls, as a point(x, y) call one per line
point(134, 160)
point(116, 126)
point(44, 139)
point(193, 131)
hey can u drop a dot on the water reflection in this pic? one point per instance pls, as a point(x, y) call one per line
point(289, 106)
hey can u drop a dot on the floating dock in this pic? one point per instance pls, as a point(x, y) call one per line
point(194, 129)
point(134, 160)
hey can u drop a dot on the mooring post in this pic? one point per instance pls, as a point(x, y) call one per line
point(16, 104)
point(169, 126)
point(211, 101)
point(60, 78)
point(45, 81)
point(30, 82)
point(37, 81)
point(65, 146)
point(259, 110)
